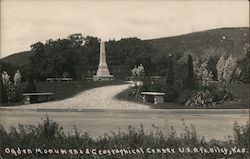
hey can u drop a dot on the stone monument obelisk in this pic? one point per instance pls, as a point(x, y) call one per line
point(103, 71)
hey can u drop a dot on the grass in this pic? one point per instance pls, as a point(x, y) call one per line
point(240, 91)
point(50, 135)
point(124, 95)
point(64, 90)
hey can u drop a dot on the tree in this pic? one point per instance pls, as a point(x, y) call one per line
point(37, 59)
point(12, 89)
point(160, 64)
point(137, 77)
point(202, 73)
point(190, 75)
point(3, 95)
point(220, 68)
point(76, 40)
point(229, 69)
point(129, 52)
point(89, 54)
point(211, 66)
point(170, 79)
point(56, 57)
point(244, 67)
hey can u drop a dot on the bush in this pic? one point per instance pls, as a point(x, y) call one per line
point(241, 134)
point(171, 92)
point(210, 95)
point(12, 89)
point(137, 76)
point(49, 134)
point(184, 96)
point(154, 85)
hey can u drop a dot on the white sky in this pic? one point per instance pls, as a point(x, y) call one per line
point(25, 22)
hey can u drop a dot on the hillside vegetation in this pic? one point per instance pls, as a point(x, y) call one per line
point(221, 41)
point(21, 58)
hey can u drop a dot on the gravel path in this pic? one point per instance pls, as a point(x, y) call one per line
point(97, 98)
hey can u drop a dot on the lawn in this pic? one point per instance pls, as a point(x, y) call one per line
point(124, 95)
point(64, 90)
point(240, 92)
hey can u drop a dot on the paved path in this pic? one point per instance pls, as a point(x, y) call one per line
point(97, 98)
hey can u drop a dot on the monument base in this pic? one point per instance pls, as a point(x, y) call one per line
point(103, 78)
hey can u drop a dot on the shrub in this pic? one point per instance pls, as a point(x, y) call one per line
point(151, 84)
point(200, 99)
point(31, 86)
point(202, 73)
point(49, 134)
point(137, 76)
point(241, 134)
point(184, 96)
point(12, 89)
point(171, 92)
point(210, 95)
point(244, 67)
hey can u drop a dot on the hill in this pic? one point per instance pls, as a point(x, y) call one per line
point(199, 44)
point(202, 44)
point(20, 59)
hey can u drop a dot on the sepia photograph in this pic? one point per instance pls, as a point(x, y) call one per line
point(126, 79)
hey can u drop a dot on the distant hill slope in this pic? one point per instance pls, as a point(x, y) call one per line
point(200, 44)
point(20, 59)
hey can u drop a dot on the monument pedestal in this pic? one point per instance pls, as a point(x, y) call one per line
point(103, 71)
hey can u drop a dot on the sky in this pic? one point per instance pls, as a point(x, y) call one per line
point(26, 22)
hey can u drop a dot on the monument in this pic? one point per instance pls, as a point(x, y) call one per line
point(103, 71)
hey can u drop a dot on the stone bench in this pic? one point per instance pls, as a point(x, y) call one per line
point(155, 97)
point(89, 78)
point(36, 97)
point(58, 79)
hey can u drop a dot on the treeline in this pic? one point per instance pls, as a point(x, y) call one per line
point(77, 56)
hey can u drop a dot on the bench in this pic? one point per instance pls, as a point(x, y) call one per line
point(155, 97)
point(89, 78)
point(36, 97)
point(58, 79)
point(50, 80)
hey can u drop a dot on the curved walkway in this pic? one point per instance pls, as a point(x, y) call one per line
point(97, 98)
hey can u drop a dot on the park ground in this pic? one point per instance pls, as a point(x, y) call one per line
point(100, 108)
point(113, 95)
